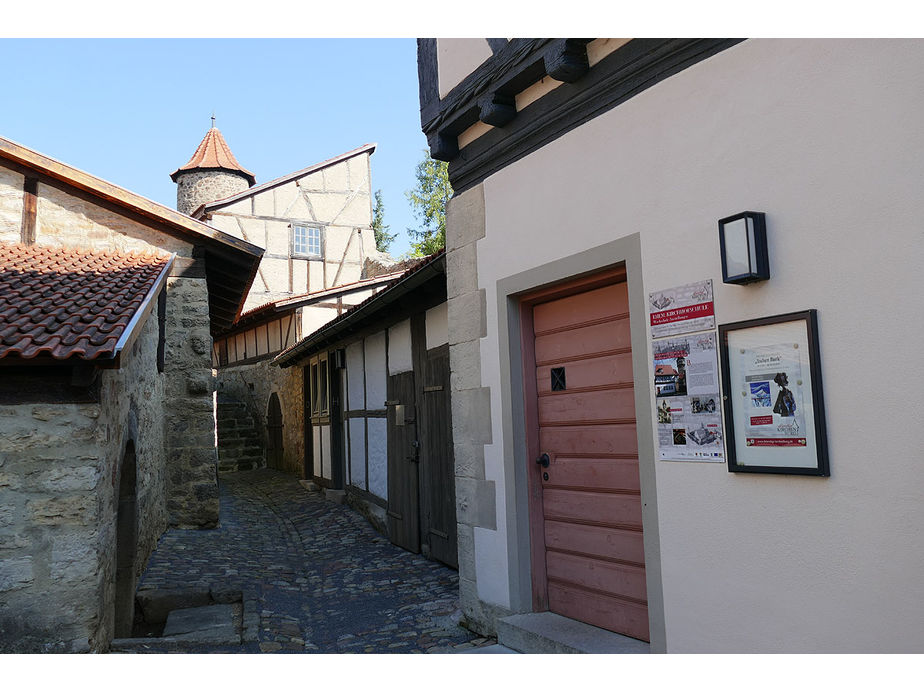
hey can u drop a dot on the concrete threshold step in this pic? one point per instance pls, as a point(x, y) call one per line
point(548, 633)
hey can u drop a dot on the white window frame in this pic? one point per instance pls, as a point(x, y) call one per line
point(307, 252)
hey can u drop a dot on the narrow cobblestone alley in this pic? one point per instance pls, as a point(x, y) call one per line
point(320, 578)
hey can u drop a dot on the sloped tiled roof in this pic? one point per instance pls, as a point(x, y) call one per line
point(64, 303)
point(213, 152)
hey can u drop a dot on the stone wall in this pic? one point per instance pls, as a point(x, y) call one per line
point(67, 220)
point(60, 467)
point(471, 403)
point(189, 420)
point(199, 187)
point(253, 384)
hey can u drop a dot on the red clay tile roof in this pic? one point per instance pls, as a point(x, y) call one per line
point(214, 152)
point(63, 303)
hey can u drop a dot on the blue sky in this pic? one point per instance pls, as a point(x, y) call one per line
point(131, 111)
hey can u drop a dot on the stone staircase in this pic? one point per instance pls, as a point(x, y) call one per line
point(548, 633)
point(240, 442)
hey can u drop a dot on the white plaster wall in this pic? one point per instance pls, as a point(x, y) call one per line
point(325, 452)
point(356, 382)
point(825, 137)
point(357, 428)
point(399, 348)
point(378, 457)
point(437, 320)
point(457, 58)
point(375, 371)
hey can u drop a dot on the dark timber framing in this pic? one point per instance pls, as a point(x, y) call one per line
point(487, 95)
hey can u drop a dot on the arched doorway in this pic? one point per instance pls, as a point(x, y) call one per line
point(274, 433)
point(126, 545)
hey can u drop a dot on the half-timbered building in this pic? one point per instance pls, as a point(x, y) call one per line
point(377, 411)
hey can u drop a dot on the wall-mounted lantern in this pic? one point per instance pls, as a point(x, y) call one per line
point(743, 242)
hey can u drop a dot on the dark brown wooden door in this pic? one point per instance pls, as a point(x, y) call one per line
point(274, 433)
point(591, 511)
point(403, 484)
point(437, 468)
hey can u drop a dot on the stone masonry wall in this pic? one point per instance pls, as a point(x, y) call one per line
point(253, 384)
point(471, 403)
point(199, 187)
point(71, 221)
point(59, 479)
point(189, 420)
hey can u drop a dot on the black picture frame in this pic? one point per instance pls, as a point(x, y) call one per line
point(744, 349)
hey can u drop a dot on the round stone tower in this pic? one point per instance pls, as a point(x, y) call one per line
point(211, 174)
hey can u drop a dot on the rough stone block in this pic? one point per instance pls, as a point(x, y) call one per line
point(156, 604)
point(461, 270)
point(15, 573)
point(466, 552)
point(68, 510)
point(467, 317)
point(73, 558)
point(465, 365)
point(465, 218)
point(10, 482)
point(199, 384)
point(471, 415)
point(66, 479)
point(469, 459)
point(476, 503)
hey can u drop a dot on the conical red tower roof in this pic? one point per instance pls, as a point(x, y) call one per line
point(214, 153)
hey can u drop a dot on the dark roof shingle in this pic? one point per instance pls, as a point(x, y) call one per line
point(65, 303)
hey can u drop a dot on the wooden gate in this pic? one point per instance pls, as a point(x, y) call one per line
point(586, 511)
point(274, 445)
point(403, 502)
point(438, 470)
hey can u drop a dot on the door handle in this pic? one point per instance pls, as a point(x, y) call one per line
point(544, 460)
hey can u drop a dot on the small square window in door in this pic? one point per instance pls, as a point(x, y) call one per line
point(558, 379)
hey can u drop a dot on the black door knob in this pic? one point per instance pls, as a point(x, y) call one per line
point(544, 459)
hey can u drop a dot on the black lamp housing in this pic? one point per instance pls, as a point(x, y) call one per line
point(743, 242)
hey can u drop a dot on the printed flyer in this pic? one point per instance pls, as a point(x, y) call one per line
point(682, 309)
point(774, 414)
point(689, 409)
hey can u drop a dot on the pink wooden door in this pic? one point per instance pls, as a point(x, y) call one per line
point(590, 512)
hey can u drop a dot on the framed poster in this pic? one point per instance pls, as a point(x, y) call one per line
point(774, 407)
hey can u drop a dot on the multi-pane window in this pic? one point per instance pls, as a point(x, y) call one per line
point(306, 240)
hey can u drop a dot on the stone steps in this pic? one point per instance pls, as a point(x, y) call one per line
point(240, 440)
point(549, 633)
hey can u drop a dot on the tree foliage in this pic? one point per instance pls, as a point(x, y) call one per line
point(383, 239)
point(428, 203)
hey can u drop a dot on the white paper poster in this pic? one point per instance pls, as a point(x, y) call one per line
point(682, 309)
point(689, 409)
point(773, 385)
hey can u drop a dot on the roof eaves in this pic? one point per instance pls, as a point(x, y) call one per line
point(22, 155)
point(217, 204)
point(416, 275)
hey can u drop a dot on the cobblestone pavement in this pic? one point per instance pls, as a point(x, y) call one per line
point(320, 578)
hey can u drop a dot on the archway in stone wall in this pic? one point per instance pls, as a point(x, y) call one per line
point(126, 545)
point(274, 433)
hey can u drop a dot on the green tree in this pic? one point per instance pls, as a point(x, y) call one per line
point(383, 239)
point(428, 203)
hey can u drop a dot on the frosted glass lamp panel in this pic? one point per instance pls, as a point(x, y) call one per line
point(740, 249)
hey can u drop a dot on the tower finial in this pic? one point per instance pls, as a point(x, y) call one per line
point(213, 119)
